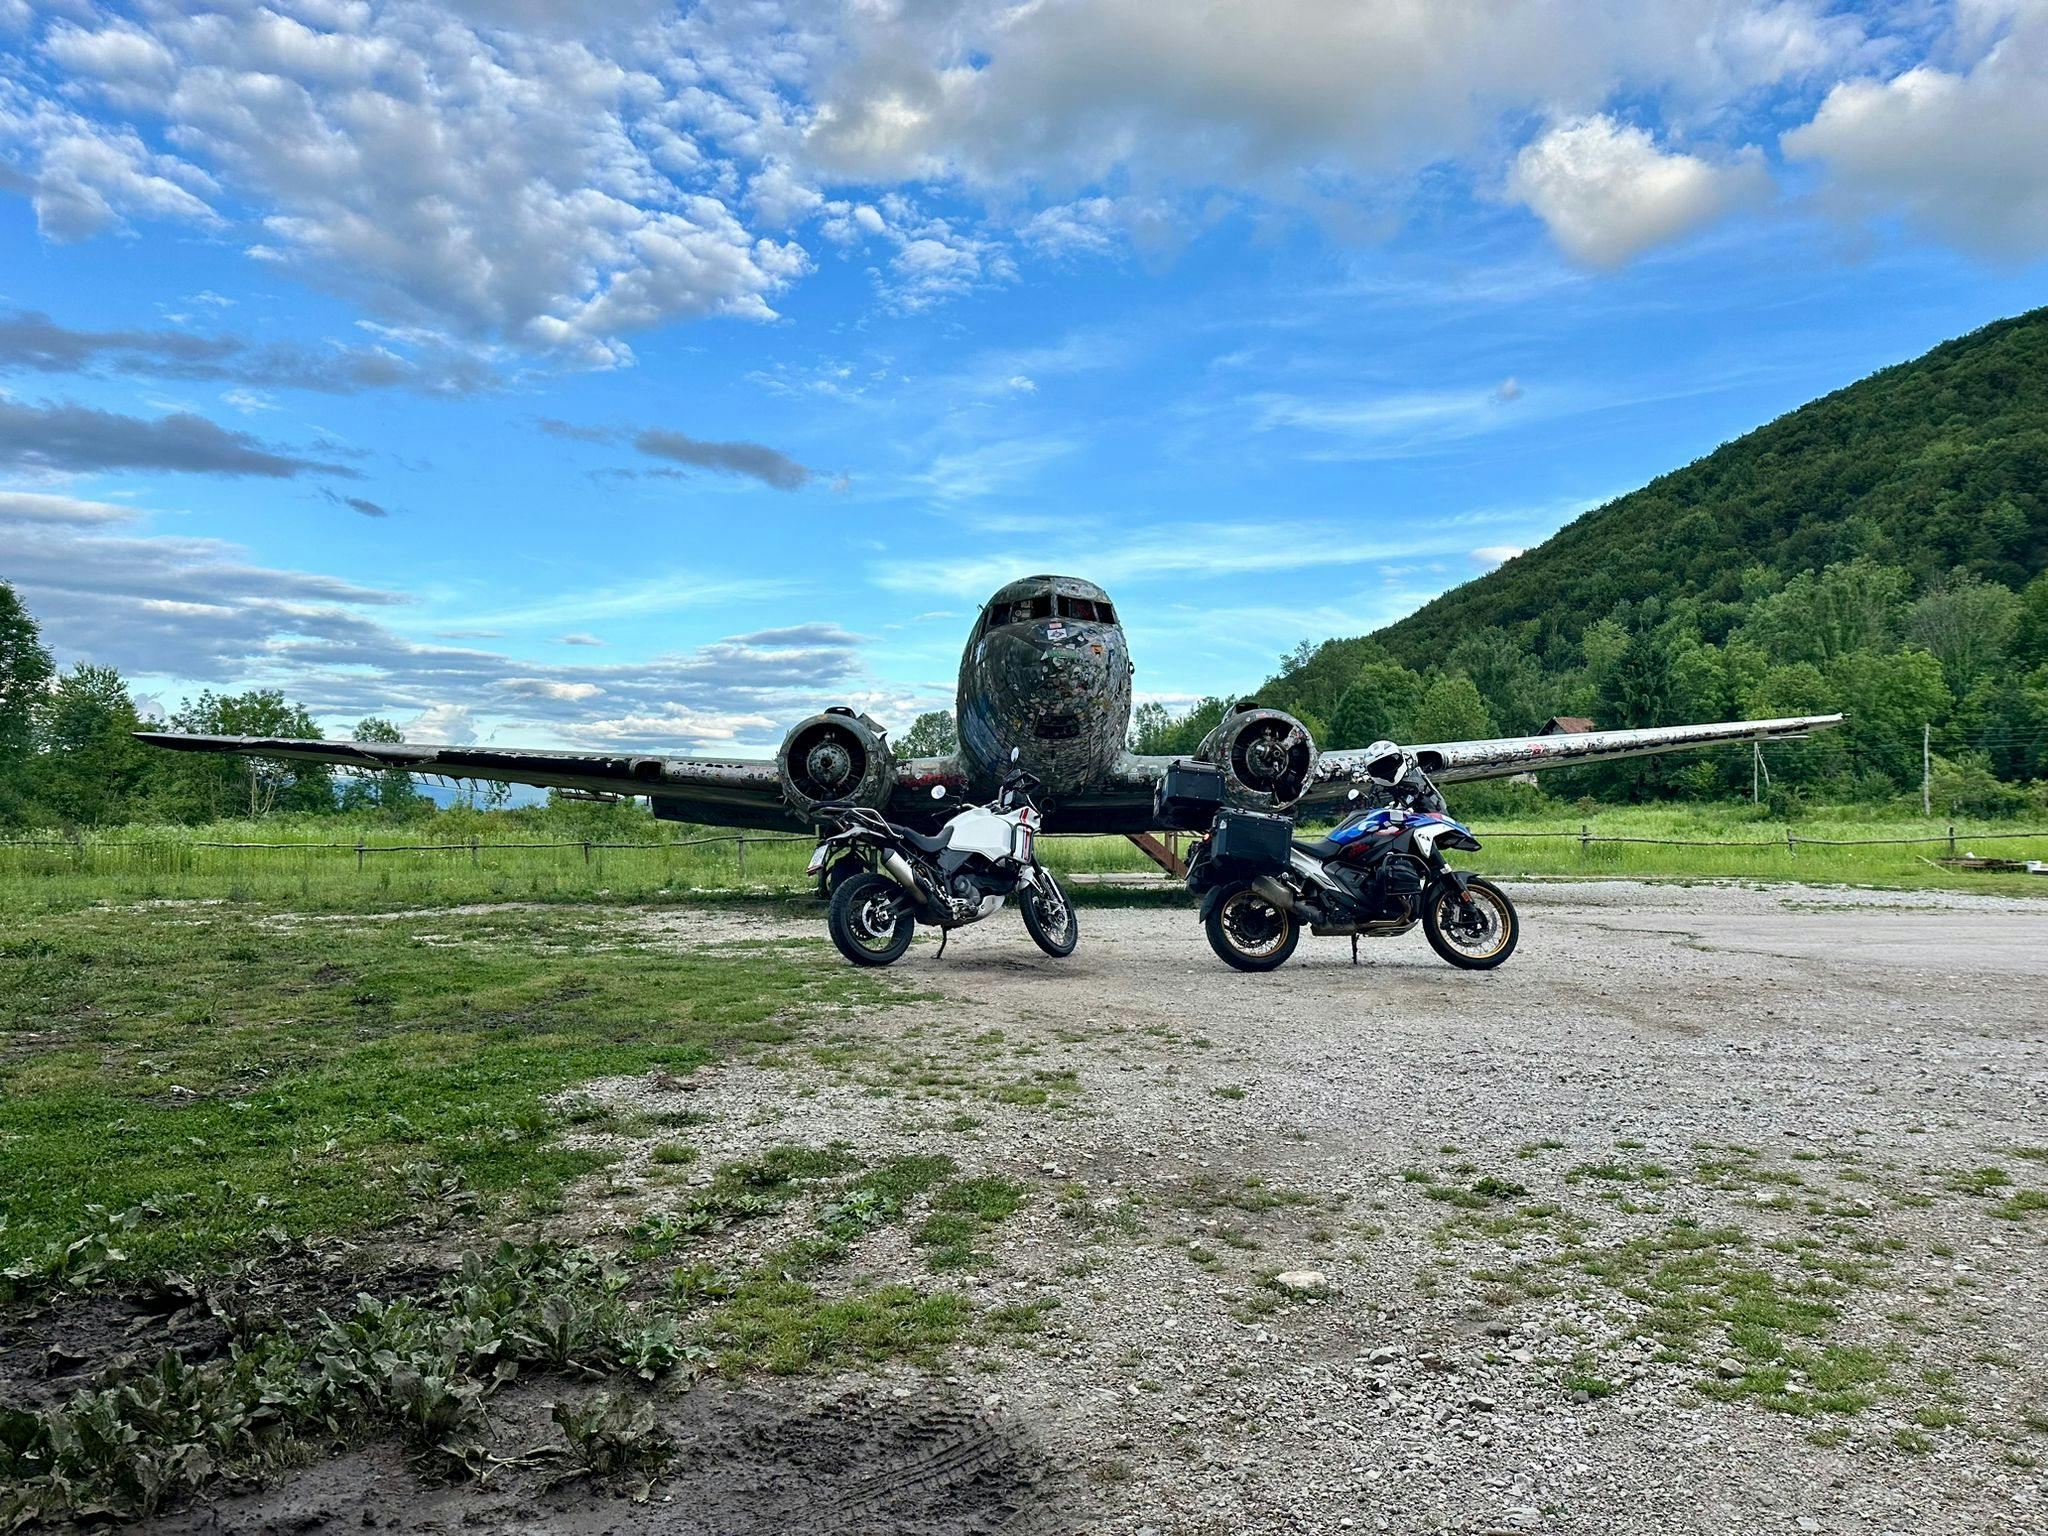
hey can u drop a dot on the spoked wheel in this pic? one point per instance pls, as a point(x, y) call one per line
point(1476, 931)
point(871, 920)
point(1049, 918)
point(1249, 932)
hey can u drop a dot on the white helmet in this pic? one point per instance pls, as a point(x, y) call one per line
point(1386, 763)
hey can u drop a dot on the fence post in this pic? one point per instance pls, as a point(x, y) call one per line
point(359, 855)
point(472, 849)
point(1790, 850)
point(1951, 839)
point(586, 851)
point(1585, 837)
point(743, 858)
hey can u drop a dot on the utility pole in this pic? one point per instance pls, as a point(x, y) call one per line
point(1756, 763)
point(1926, 770)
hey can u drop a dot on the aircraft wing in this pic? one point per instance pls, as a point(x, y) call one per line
point(1454, 761)
point(720, 791)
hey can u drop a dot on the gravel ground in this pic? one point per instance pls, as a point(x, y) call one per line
point(1855, 1082)
point(1718, 1208)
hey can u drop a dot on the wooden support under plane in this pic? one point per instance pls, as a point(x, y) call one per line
point(1159, 853)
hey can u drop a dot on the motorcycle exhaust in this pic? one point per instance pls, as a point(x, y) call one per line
point(1273, 891)
point(898, 869)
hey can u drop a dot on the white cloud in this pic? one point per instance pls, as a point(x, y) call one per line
point(1275, 96)
point(446, 725)
point(1607, 192)
point(37, 507)
point(504, 185)
point(200, 611)
point(1495, 554)
point(1957, 152)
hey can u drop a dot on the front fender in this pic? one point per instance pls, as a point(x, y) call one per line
point(1456, 879)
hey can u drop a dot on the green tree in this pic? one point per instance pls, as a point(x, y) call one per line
point(1451, 710)
point(1157, 731)
point(1854, 605)
point(212, 785)
point(89, 769)
point(931, 734)
point(388, 791)
point(1966, 623)
point(25, 672)
point(1379, 705)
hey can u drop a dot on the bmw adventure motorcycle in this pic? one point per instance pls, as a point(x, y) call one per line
point(885, 879)
point(1378, 873)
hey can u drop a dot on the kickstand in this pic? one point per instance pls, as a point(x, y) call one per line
point(942, 944)
point(1354, 949)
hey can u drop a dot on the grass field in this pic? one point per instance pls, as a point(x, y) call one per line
point(253, 1074)
point(315, 865)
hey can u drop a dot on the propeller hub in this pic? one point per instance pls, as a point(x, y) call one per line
point(828, 763)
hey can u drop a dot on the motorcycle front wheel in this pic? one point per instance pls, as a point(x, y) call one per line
point(1249, 932)
point(871, 920)
point(1474, 932)
point(1049, 918)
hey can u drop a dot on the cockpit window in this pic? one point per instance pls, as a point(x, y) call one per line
point(1023, 611)
point(1087, 610)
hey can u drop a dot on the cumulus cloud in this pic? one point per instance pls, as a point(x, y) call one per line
point(1495, 554)
point(70, 438)
point(1270, 95)
point(1607, 193)
point(557, 179)
point(525, 185)
point(1957, 152)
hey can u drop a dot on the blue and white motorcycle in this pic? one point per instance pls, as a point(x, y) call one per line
point(1378, 873)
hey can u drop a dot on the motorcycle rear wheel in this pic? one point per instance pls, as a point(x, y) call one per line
point(1475, 933)
point(1250, 933)
point(871, 921)
point(1053, 925)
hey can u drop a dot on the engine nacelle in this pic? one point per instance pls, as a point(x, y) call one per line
point(1265, 754)
point(838, 755)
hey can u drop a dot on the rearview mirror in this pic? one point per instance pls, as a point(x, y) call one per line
point(938, 791)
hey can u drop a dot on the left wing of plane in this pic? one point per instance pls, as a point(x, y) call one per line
point(739, 792)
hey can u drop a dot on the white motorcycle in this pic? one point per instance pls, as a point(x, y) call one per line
point(885, 879)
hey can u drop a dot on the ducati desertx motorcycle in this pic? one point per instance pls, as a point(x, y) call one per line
point(885, 879)
point(1377, 874)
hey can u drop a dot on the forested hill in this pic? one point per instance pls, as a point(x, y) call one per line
point(1878, 552)
point(1933, 465)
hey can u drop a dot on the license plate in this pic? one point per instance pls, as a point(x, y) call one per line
point(817, 861)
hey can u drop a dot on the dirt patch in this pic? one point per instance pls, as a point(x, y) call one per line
point(751, 1462)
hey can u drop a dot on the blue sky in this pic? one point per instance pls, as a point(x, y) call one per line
point(656, 378)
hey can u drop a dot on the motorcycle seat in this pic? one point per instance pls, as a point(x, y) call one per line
point(932, 844)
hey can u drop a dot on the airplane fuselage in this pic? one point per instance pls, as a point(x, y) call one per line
point(1047, 670)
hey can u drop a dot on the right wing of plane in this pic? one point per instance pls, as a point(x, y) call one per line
point(735, 792)
point(1455, 761)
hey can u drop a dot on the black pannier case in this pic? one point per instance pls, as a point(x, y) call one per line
point(1188, 797)
point(1251, 842)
